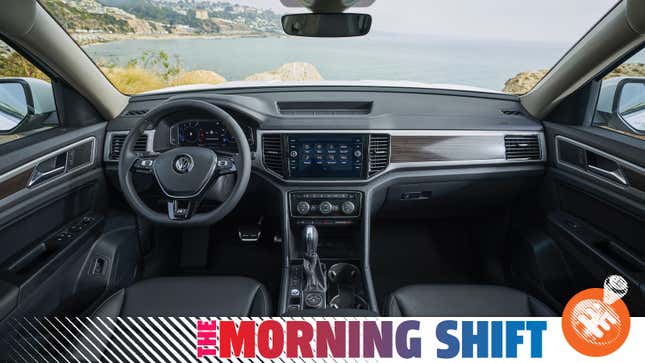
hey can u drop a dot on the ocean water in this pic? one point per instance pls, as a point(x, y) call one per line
point(480, 63)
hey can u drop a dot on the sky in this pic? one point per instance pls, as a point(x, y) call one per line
point(553, 21)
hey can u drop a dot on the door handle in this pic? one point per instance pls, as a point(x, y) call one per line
point(48, 169)
point(615, 175)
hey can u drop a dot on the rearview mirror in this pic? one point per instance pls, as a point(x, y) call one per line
point(327, 24)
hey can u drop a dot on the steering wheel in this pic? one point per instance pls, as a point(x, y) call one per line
point(184, 174)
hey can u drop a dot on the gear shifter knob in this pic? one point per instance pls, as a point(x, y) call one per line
point(310, 236)
point(316, 283)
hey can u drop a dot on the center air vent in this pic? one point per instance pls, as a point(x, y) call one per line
point(522, 147)
point(379, 156)
point(116, 144)
point(322, 109)
point(272, 153)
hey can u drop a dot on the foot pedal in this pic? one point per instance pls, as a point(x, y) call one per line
point(250, 233)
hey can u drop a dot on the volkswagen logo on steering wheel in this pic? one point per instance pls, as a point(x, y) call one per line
point(183, 164)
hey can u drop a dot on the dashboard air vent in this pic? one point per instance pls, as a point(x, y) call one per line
point(522, 147)
point(512, 112)
point(324, 109)
point(379, 153)
point(135, 112)
point(272, 153)
point(116, 143)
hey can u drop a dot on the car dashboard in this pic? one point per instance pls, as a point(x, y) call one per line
point(338, 158)
point(353, 136)
point(431, 147)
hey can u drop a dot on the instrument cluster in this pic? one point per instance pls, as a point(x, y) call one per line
point(208, 133)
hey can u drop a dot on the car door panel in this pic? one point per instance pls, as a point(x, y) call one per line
point(45, 193)
point(597, 208)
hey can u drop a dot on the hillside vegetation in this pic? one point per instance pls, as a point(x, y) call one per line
point(156, 71)
point(145, 9)
point(525, 81)
point(72, 18)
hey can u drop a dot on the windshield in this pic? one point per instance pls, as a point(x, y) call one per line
point(501, 46)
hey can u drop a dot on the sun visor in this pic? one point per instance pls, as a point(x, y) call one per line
point(636, 15)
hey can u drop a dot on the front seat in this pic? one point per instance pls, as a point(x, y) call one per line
point(464, 300)
point(203, 296)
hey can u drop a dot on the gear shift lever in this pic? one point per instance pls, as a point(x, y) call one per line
point(315, 277)
point(310, 236)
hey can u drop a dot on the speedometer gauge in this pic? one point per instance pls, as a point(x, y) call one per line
point(208, 133)
point(188, 133)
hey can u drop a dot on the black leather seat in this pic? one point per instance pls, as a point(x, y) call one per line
point(463, 300)
point(204, 296)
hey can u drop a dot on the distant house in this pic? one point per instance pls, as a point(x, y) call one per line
point(201, 14)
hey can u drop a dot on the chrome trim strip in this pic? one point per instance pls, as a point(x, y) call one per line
point(34, 163)
point(37, 176)
point(619, 161)
point(108, 142)
point(258, 162)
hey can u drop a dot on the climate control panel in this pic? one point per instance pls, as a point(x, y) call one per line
point(323, 205)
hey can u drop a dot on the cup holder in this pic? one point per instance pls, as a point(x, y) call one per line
point(346, 279)
point(348, 301)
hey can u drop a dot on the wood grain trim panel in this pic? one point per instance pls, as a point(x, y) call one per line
point(411, 149)
point(15, 183)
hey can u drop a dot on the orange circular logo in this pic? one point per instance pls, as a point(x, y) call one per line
point(595, 322)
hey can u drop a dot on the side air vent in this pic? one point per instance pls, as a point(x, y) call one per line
point(511, 112)
point(272, 153)
point(522, 147)
point(379, 153)
point(324, 109)
point(116, 143)
point(135, 112)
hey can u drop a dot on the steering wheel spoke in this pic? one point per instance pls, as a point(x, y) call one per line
point(181, 209)
point(227, 164)
point(143, 164)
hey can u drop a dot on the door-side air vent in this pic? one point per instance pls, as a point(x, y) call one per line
point(116, 143)
point(522, 147)
point(511, 112)
point(135, 112)
point(379, 153)
point(272, 153)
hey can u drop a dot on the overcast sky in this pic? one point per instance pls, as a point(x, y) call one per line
point(562, 21)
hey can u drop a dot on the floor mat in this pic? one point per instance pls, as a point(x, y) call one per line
point(228, 256)
point(417, 252)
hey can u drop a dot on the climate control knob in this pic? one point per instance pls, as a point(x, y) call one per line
point(325, 207)
point(303, 208)
point(348, 207)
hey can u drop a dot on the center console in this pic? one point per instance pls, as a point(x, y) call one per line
point(325, 258)
point(325, 223)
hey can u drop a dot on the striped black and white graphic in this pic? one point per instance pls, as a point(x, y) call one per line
point(117, 339)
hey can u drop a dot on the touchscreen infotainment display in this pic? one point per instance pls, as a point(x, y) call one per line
point(337, 156)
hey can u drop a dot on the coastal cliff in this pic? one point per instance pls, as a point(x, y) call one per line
point(296, 71)
point(525, 81)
